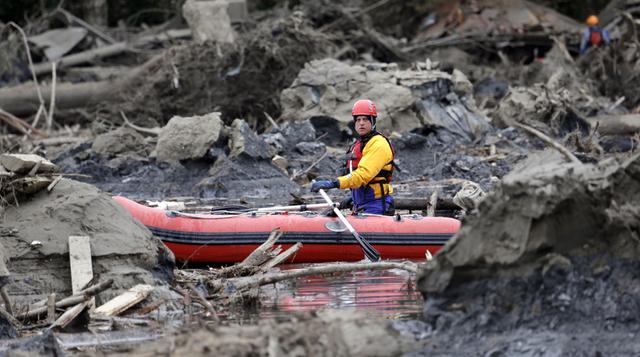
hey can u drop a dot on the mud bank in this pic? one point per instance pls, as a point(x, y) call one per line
point(553, 249)
point(326, 333)
point(35, 235)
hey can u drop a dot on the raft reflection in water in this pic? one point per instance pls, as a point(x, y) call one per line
point(389, 292)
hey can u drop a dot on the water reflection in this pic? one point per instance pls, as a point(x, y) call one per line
point(389, 292)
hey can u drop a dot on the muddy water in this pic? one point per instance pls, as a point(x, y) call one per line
point(390, 293)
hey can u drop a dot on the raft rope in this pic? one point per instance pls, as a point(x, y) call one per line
point(234, 214)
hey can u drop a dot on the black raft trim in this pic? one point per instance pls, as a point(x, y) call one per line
point(220, 238)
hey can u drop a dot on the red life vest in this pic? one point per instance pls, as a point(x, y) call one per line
point(595, 38)
point(356, 150)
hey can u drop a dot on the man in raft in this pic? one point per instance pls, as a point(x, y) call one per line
point(369, 165)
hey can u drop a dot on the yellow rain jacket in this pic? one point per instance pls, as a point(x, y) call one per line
point(376, 156)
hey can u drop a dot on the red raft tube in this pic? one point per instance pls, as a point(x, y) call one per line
point(223, 238)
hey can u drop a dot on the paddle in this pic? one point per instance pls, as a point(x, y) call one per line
point(309, 207)
point(369, 251)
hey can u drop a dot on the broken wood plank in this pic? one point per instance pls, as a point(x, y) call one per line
point(54, 183)
point(68, 316)
point(80, 265)
point(41, 311)
point(80, 262)
point(281, 257)
point(262, 253)
point(125, 300)
point(34, 169)
point(433, 201)
point(51, 308)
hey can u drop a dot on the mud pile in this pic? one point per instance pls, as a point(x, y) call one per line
point(554, 248)
point(241, 80)
point(421, 110)
point(327, 333)
point(306, 63)
point(408, 99)
point(35, 234)
point(192, 156)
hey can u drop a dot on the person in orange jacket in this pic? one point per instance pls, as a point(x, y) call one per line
point(370, 165)
point(594, 36)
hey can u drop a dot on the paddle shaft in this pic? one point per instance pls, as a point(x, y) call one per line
point(369, 251)
point(310, 207)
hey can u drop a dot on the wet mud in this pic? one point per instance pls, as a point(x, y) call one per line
point(544, 265)
point(554, 248)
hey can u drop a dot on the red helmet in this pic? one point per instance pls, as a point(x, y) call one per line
point(592, 20)
point(364, 107)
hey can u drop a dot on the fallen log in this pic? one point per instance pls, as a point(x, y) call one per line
point(249, 282)
point(24, 99)
point(110, 50)
point(264, 252)
point(261, 255)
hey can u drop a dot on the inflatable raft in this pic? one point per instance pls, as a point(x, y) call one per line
point(229, 238)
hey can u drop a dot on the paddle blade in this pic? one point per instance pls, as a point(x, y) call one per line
point(369, 251)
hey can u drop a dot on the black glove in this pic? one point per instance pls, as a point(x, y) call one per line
point(346, 202)
point(324, 184)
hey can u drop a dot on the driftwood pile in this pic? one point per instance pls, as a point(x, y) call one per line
point(22, 174)
point(195, 295)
